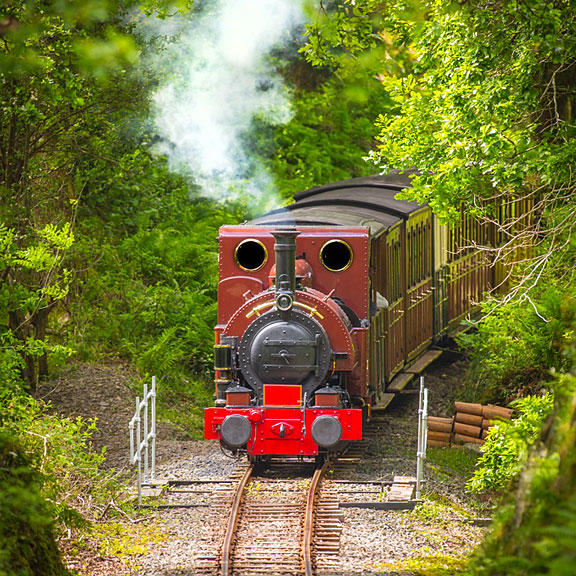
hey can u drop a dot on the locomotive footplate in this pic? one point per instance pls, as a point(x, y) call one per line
point(282, 431)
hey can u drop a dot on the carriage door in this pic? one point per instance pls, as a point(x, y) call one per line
point(419, 294)
point(386, 309)
point(394, 340)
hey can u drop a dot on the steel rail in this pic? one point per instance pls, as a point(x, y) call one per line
point(309, 519)
point(233, 521)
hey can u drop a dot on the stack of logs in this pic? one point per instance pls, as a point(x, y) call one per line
point(469, 425)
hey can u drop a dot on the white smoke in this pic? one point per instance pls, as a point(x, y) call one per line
point(221, 79)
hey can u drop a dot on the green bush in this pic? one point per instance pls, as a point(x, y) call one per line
point(27, 528)
point(59, 449)
point(48, 475)
point(514, 347)
point(505, 450)
point(556, 544)
point(534, 526)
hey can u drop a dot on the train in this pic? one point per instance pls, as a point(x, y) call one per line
point(330, 306)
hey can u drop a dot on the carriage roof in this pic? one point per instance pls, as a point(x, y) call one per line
point(366, 202)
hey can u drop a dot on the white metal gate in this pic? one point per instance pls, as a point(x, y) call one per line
point(422, 436)
point(143, 437)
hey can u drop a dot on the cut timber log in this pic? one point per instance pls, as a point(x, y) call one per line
point(486, 424)
point(440, 424)
point(468, 408)
point(469, 426)
point(470, 419)
point(473, 431)
point(462, 439)
point(493, 412)
point(439, 436)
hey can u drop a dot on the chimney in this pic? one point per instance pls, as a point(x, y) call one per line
point(285, 250)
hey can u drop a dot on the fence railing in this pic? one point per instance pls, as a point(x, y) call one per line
point(422, 436)
point(143, 437)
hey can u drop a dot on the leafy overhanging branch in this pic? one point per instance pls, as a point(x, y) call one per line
point(487, 118)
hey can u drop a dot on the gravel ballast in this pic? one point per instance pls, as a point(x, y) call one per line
point(372, 541)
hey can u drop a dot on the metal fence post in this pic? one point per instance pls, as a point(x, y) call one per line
point(422, 436)
point(137, 456)
point(153, 433)
point(145, 441)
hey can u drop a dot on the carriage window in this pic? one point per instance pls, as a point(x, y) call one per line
point(336, 255)
point(420, 253)
point(397, 253)
point(395, 289)
point(251, 255)
point(429, 248)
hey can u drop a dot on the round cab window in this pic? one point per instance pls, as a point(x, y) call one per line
point(251, 255)
point(336, 255)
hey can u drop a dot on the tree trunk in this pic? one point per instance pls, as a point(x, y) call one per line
point(20, 325)
point(40, 321)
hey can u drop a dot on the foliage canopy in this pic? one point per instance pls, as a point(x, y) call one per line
point(486, 110)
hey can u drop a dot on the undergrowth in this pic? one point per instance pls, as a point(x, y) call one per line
point(514, 347)
point(149, 295)
point(116, 538)
point(505, 450)
point(451, 461)
point(51, 484)
point(533, 530)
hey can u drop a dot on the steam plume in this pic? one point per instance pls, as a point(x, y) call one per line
point(220, 80)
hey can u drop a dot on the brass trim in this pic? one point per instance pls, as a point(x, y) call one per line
point(260, 243)
point(338, 241)
point(256, 310)
point(309, 309)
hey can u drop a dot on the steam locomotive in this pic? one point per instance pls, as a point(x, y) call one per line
point(330, 306)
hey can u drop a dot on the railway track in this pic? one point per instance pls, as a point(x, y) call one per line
point(273, 523)
point(282, 518)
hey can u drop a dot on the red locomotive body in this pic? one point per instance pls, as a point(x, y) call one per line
point(290, 346)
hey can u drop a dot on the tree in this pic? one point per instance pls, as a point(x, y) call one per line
point(488, 118)
point(62, 77)
point(486, 113)
point(337, 95)
point(32, 280)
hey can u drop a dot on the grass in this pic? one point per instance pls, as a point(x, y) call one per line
point(115, 539)
point(438, 510)
point(440, 565)
point(452, 461)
